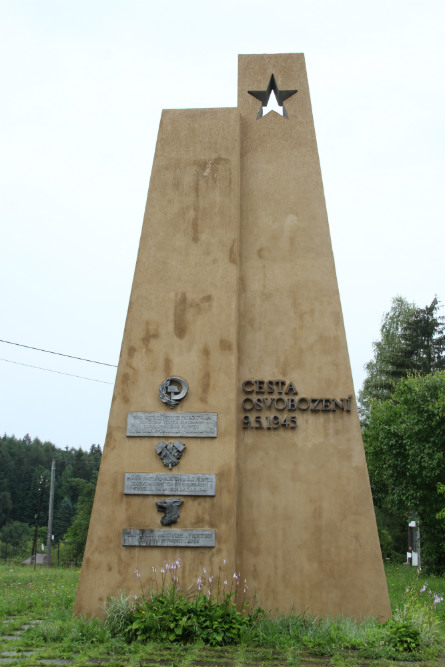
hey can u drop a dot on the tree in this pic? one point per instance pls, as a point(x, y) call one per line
point(16, 533)
point(422, 339)
point(22, 464)
point(78, 531)
point(412, 340)
point(379, 383)
point(404, 449)
point(63, 519)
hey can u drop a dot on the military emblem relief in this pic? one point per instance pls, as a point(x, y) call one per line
point(173, 390)
point(170, 452)
point(171, 508)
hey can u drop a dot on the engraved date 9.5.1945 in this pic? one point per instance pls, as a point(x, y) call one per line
point(269, 422)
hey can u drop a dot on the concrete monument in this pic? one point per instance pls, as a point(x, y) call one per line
point(233, 411)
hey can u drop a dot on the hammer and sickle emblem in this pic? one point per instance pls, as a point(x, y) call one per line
point(177, 388)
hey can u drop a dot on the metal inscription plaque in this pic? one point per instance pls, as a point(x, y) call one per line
point(163, 484)
point(163, 424)
point(134, 537)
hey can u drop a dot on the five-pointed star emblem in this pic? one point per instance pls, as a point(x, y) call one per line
point(264, 95)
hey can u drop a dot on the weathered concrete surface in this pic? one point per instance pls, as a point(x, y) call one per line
point(182, 320)
point(235, 280)
point(306, 535)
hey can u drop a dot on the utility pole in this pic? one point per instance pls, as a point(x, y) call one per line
point(37, 517)
point(50, 514)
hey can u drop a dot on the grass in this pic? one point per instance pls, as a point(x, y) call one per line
point(39, 604)
point(401, 577)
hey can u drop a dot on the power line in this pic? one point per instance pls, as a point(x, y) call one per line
point(82, 377)
point(60, 354)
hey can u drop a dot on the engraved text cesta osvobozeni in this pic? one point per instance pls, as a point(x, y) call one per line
point(282, 396)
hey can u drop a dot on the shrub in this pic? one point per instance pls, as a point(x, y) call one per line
point(211, 611)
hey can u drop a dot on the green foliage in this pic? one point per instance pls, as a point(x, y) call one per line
point(43, 600)
point(63, 519)
point(77, 533)
point(402, 636)
point(422, 341)
point(208, 613)
point(391, 524)
point(172, 617)
point(119, 610)
point(401, 427)
point(412, 341)
point(441, 492)
point(16, 534)
point(379, 383)
point(404, 449)
point(23, 464)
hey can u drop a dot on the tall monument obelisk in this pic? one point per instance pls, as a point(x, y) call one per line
point(233, 412)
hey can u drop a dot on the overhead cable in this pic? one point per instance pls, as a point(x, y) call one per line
point(82, 377)
point(60, 354)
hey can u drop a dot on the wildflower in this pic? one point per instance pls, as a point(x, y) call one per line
point(204, 571)
point(224, 561)
point(423, 589)
point(199, 582)
point(162, 570)
point(135, 597)
point(437, 599)
point(235, 576)
point(137, 573)
point(210, 581)
point(154, 569)
point(225, 582)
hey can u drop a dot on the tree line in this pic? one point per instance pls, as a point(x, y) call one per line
point(25, 466)
point(402, 410)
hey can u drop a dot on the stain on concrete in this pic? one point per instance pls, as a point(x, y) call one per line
point(183, 306)
point(151, 332)
point(205, 374)
point(167, 366)
point(225, 345)
point(180, 315)
point(195, 208)
point(125, 386)
point(232, 253)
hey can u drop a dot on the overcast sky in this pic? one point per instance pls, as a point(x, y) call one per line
point(82, 88)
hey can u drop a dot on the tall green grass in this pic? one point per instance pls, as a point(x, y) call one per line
point(47, 596)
